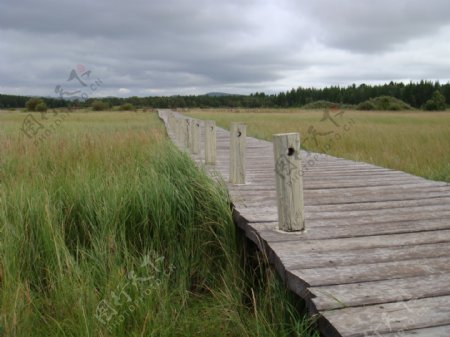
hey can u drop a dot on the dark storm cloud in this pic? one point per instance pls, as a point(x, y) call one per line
point(195, 46)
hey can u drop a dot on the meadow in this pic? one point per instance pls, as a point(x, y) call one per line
point(416, 142)
point(107, 230)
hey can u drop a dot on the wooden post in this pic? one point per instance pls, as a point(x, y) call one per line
point(187, 132)
point(289, 181)
point(170, 120)
point(210, 142)
point(196, 136)
point(237, 153)
point(179, 125)
point(182, 134)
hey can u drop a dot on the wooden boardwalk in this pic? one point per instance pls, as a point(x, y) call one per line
point(375, 257)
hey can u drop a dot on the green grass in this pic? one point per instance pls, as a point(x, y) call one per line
point(416, 142)
point(104, 210)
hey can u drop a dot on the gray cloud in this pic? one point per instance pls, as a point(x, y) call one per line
point(195, 46)
point(374, 26)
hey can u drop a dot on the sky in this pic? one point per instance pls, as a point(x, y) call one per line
point(148, 47)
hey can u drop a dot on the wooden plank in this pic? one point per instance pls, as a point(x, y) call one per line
point(297, 259)
point(253, 214)
point(356, 231)
point(308, 246)
point(380, 205)
point(438, 331)
point(313, 212)
point(385, 291)
point(373, 272)
point(391, 317)
point(267, 199)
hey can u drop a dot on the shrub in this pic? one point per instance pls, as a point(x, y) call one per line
point(127, 107)
point(32, 103)
point(41, 107)
point(384, 103)
point(436, 102)
point(99, 105)
point(367, 106)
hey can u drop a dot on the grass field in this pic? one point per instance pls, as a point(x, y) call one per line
point(416, 142)
point(107, 230)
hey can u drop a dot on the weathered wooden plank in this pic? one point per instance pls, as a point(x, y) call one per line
point(267, 198)
point(308, 246)
point(324, 232)
point(293, 259)
point(391, 317)
point(313, 212)
point(385, 291)
point(253, 214)
point(373, 272)
point(438, 331)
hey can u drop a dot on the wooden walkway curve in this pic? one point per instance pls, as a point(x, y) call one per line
point(375, 257)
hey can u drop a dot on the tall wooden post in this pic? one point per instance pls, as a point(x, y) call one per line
point(237, 153)
point(196, 136)
point(289, 181)
point(170, 120)
point(210, 142)
point(180, 132)
point(188, 134)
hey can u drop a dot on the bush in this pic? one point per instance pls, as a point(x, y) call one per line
point(127, 107)
point(32, 103)
point(41, 107)
point(384, 103)
point(99, 105)
point(367, 106)
point(435, 103)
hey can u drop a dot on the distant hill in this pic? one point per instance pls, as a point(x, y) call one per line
point(220, 94)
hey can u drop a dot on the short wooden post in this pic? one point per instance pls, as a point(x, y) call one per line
point(210, 142)
point(289, 181)
point(237, 153)
point(196, 136)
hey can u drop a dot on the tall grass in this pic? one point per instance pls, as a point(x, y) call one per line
point(106, 214)
point(416, 142)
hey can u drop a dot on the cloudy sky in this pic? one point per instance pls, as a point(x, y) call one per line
point(149, 47)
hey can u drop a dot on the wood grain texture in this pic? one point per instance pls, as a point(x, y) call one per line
point(238, 135)
point(289, 182)
point(210, 142)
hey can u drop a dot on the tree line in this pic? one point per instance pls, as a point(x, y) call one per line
point(415, 94)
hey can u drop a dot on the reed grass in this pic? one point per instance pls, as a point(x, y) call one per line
point(107, 230)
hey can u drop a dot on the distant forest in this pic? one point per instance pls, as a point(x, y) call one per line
point(415, 94)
